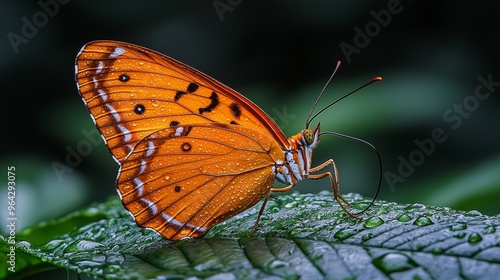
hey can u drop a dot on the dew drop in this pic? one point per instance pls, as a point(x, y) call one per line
point(112, 222)
point(475, 238)
point(274, 264)
point(460, 235)
point(423, 221)
point(366, 237)
point(418, 206)
point(82, 245)
point(437, 251)
point(403, 218)
point(344, 233)
point(394, 262)
point(53, 244)
point(89, 264)
point(373, 222)
point(490, 230)
point(292, 204)
point(274, 209)
point(458, 227)
point(473, 213)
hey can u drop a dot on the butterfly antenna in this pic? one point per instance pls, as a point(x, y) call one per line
point(379, 164)
point(309, 119)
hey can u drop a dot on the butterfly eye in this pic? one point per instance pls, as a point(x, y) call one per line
point(308, 136)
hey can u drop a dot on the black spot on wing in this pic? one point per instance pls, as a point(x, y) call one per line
point(235, 108)
point(192, 87)
point(139, 109)
point(214, 98)
point(179, 94)
point(186, 147)
point(124, 78)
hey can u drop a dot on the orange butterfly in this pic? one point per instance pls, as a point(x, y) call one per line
point(192, 151)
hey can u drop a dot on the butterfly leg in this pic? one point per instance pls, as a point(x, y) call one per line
point(335, 183)
point(287, 188)
point(260, 214)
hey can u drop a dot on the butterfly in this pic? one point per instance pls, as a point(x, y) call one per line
point(192, 152)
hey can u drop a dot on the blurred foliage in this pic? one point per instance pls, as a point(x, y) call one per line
point(279, 54)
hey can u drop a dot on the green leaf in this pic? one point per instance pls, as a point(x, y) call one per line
point(300, 236)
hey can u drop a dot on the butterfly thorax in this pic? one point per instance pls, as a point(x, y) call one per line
point(298, 157)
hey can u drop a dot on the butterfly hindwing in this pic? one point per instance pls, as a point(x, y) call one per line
point(182, 180)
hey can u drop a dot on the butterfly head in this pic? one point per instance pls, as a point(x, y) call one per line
point(310, 137)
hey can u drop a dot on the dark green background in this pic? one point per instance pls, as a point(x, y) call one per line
point(279, 54)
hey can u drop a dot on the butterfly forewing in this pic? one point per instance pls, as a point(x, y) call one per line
point(132, 92)
point(182, 180)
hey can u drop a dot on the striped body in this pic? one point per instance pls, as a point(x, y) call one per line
point(298, 157)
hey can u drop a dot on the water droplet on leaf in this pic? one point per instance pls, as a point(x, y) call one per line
point(394, 262)
point(82, 245)
point(490, 230)
point(458, 227)
point(52, 245)
point(403, 218)
point(423, 221)
point(475, 237)
point(344, 233)
point(373, 222)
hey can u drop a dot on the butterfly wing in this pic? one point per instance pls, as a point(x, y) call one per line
point(132, 91)
point(181, 181)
